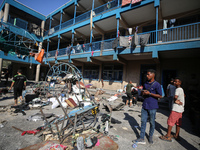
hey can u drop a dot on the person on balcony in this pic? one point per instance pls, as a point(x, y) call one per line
point(108, 5)
point(68, 49)
point(78, 48)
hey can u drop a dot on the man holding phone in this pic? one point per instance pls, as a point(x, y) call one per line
point(152, 91)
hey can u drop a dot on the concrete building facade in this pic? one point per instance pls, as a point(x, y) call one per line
point(91, 28)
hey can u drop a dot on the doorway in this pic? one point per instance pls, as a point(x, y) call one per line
point(166, 77)
point(143, 72)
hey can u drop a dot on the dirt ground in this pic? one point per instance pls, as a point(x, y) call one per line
point(127, 131)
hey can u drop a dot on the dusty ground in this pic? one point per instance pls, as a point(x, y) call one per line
point(127, 131)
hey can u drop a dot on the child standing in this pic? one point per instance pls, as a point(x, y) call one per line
point(176, 113)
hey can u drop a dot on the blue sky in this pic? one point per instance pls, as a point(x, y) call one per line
point(44, 7)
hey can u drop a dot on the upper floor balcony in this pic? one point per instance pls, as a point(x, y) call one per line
point(184, 33)
point(97, 11)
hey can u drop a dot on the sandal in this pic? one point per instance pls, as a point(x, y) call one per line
point(176, 137)
point(165, 138)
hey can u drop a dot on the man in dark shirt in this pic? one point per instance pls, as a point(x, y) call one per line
point(19, 82)
point(152, 91)
point(128, 93)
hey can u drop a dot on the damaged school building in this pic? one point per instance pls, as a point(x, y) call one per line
point(116, 41)
point(100, 44)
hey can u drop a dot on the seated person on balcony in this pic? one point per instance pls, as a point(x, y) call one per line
point(73, 51)
point(68, 49)
point(79, 48)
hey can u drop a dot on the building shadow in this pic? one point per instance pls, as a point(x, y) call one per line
point(182, 141)
point(134, 124)
point(165, 112)
point(186, 145)
point(159, 128)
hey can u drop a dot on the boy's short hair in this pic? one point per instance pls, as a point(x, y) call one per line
point(19, 70)
point(177, 78)
point(151, 70)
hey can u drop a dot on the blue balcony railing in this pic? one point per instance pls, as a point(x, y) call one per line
point(67, 23)
point(179, 33)
point(18, 22)
point(82, 17)
point(105, 7)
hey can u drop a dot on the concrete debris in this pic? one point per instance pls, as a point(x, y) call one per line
point(2, 123)
point(39, 117)
point(125, 128)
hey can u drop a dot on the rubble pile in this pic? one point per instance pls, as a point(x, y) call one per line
point(81, 123)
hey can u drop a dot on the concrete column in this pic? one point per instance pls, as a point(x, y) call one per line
point(42, 27)
point(117, 26)
point(100, 70)
point(156, 24)
point(6, 12)
point(124, 76)
point(1, 64)
point(1, 14)
point(102, 45)
point(61, 13)
point(37, 76)
point(74, 21)
point(158, 72)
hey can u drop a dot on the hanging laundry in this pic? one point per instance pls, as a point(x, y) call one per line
point(115, 43)
point(172, 22)
point(144, 38)
point(123, 41)
point(135, 41)
point(40, 56)
point(136, 29)
point(125, 2)
point(130, 31)
point(120, 41)
point(136, 1)
point(165, 26)
point(92, 53)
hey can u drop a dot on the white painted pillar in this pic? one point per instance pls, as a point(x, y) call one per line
point(124, 76)
point(37, 76)
point(1, 14)
point(42, 28)
point(6, 12)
